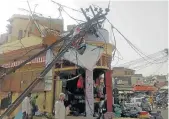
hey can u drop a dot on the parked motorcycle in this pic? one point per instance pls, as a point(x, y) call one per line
point(131, 112)
point(156, 115)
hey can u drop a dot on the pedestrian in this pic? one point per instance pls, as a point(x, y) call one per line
point(145, 105)
point(34, 105)
point(151, 101)
point(26, 107)
point(60, 110)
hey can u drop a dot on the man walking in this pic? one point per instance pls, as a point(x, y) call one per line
point(60, 110)
point(26, 107)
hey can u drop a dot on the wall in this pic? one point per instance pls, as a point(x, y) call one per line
point(22, 22)
point(121, 71)
point(135, 81)
point(3, 38)
point(122, 81)
point(18, 24)
point(118, 72)
point(17, 44)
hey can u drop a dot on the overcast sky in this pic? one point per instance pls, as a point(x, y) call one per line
point(144, 23)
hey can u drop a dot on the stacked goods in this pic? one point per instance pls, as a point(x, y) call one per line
point(117, 110)
point(144, 115)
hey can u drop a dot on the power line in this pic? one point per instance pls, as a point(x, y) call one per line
point(131, 45)
point(61, 6)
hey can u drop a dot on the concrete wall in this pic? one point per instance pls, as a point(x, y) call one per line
point(19, 24)
point(122, 72)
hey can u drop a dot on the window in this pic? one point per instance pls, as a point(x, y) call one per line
point(20, 34)
point(125, 72)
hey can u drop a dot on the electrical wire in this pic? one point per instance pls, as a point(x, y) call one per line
point(67, 7)
point(34, 18)
point(114, 43)
point(22, 43)
point(131, 45)
point(133, 62)
point(159, 68)
point(26, 32)
point(61, 7)
point(149, 64)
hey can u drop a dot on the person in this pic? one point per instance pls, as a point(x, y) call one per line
point(26, 107)
point(145, 105)
point(151, 101)
point(60, 110)
point(101, 89)
point(34, 106)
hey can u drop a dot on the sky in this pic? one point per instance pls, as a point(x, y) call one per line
point(144, 23)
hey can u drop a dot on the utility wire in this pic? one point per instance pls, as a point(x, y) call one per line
point(131, 45)
point(61, 7)
point(34, 19)
point(149, 64)
point(133, 62)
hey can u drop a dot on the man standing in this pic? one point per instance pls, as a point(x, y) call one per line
point(60, 111)
point(34, 106)
point(26, 107)
point(145, 105)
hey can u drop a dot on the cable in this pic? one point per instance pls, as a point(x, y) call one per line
point(131, 45)
point(114, 42)
point(66, 6)
point(149, 64)
point(34, 19)
point(25, 33)
point(159, 68)
point(60, 6)
point(133, 62)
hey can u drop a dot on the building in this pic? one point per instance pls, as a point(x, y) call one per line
point(122, 71)
point(69, 27)
point(122, 78)
point(22, 26)
point(137, 79)
point(3, 38)
point(25, 40)
point(161, 80)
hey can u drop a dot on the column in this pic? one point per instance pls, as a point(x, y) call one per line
point(89, 96)
point(109, 114)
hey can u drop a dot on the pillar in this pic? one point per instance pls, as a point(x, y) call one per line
point(108, 78)
point(89, 96)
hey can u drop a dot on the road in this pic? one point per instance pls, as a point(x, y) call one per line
point(163, 112)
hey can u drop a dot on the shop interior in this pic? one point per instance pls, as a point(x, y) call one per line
point(75, 90)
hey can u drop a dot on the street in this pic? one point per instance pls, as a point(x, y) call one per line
point(164, 113)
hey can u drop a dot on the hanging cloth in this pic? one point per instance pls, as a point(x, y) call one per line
point(80, 82)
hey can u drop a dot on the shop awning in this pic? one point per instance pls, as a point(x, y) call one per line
point(144, 88)
point(164, 88)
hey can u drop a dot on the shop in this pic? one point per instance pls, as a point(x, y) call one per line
point(56, 80)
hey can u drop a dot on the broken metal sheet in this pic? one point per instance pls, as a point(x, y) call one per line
point(88, 59)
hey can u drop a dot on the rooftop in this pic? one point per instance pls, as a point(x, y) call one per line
point(138, 75)
point(123, 68)
point(26, 17)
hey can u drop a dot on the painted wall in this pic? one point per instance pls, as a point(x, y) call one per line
point(135, 80)
point(120, 71)
point(19, 24)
